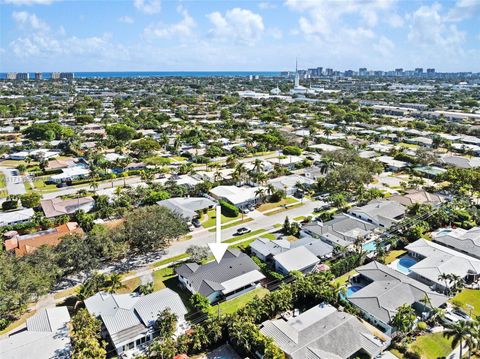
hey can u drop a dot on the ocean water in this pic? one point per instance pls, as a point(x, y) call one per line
point(133, 74)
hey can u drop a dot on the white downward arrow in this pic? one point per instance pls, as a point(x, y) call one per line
point(218, 248)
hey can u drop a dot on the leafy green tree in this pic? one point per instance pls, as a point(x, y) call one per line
point(200, 303)
point(121, 132)
point(151, 228)
point(85, 337)
point(166, 323)
point(404, 319)
point(30, 200)
point(198, 253)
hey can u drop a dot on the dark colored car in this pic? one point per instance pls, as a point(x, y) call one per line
point(196, 222)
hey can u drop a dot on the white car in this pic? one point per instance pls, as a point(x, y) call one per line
point(243, 230)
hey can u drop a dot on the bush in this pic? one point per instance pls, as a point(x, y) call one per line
point(9, 205)
point(292, 150)
point(228, 209)
point(422, 326)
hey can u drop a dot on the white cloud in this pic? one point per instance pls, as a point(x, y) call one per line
point(264, 5)
point(28, 2)
point(182, 29)
point(149, 7)
point(429, 28)
point(464, 9)
point(239, 25)
point(384, 46)
point(26, 20)
point(126, 19)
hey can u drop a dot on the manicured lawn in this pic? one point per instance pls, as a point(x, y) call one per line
point(161, 276)
point(130, 285)
point(233, 224)
point(278, 225)
point(343, 280)
point(269, 206)
point(243, 244)
point(299, 218)
point(468, 296)
point(282, 209)
point(432, 346)
point(270, 236)
point(394, 255)
point(231, 306)
point(408, 145)
point(169, 260)
point(246, 235)
point(210, 222)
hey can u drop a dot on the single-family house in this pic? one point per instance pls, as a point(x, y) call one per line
point(46, 336)
point(378, 292)
point(343, 230)
point(16, 216)
point(265, 249)
point(188, 208)
point(391, 163)
point(413, 196)
point(238, 196)
point(323, 332)
point(435, 260)
point(235, 274)
point(461, 161)
point(289, 183)
point(382, 213)
point(57, 207)
point(295, 259)
point(466, 241)
point(129, 319)
point(28, 243)
point(70, 174)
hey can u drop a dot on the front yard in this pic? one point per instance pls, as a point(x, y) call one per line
point(429, 346)
point(269, 206)
point(210, 221)
point(468, 297)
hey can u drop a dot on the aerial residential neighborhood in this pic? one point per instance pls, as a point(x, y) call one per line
point(320, 211)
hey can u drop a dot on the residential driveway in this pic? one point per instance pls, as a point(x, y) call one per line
point(13, 181)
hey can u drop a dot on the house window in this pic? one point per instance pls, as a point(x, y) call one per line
point(138, 342)
point(131, 345)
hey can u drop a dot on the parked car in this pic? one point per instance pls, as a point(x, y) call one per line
point(251, 208)
point(321, 208)
point(244, 210)
point(449, 319)
point(196, 222)
point(460, 313)
point(243, 230)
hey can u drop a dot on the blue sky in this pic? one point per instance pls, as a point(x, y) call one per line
point(196, 35)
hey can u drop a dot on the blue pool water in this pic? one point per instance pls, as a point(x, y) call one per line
point(353, 289)
point(404, 264)
point(370, 246)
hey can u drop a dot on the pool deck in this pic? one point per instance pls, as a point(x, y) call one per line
point(394, 264)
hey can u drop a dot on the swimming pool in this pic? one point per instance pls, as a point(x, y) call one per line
point(353, 289)
point(370, 246)
point(404, 264)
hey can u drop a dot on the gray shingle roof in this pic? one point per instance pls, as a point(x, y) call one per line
point(467, 241)
point(208, 278)
point(389, 290)
point(322, 332)
point(381, 211)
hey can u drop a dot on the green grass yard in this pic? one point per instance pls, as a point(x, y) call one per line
point(231, 306)
point(343, 280)
point(283, 209)
point(432, 346)
point(246, 235)
point(468, 297)
point(392, 255)
point(210, 222)
point(168, 260)
point(269, 206)
point(233, 223)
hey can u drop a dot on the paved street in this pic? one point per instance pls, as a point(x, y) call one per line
point(13, 181)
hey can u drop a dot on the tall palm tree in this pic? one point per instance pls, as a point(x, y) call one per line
point(94, 185)
point(458, 332)
point(260, 194)
point(326, 165)
point(258, 165)
point(445, 277)
point(115, 283)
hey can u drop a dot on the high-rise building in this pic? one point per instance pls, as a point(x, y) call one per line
point(62, 75)
point(362, 71)
point(18, 76)
point(329, 72)
point(430, 71)
point(419, 71)
point(38, 75)
point(399, 72)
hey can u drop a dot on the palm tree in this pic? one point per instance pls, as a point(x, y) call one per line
point(115, 283)
point(327, 132)
point(260, 194)
point(270, 190)
point(458, 332)
point(446, 279)
point(231, 161)
point(94, 185)
point(258, 165)
point(326, 165)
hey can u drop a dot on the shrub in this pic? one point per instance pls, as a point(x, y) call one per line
point(228, 209)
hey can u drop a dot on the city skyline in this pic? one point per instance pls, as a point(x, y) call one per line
point(154, 35)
